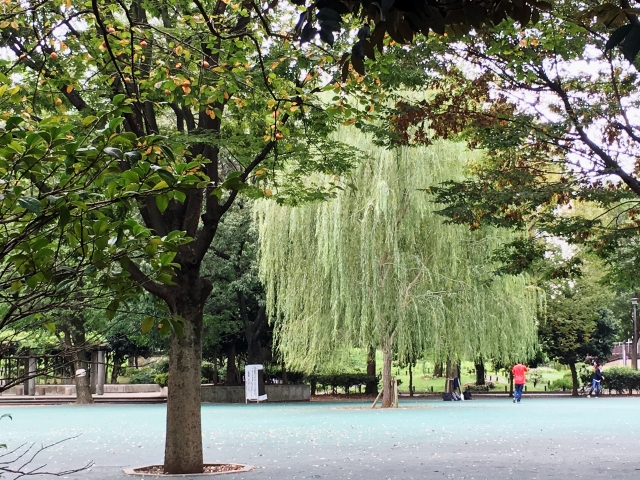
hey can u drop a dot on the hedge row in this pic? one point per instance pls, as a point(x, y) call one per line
point(621, 379)
point(342, 380)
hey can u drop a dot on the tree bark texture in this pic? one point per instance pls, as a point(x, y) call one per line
point(183, 446)
point(511, 384)
point(371, 388)
point(448, 377)
point(116, 369)
point(387, 384)
point(232, 370)
point(75, 340)
point(83, 389)
point(574, 379)
point(437, 370)
point(480, 373)
point(410, 381)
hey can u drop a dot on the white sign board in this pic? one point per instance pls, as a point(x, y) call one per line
point(252, 385)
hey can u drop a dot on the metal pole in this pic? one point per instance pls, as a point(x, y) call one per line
point(634, 347)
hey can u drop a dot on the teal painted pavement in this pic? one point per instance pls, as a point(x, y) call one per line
point(481, 439)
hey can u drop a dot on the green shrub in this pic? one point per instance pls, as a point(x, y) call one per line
point(341, 380)
point(207, 372)
point(564, 383)
point(478, 388)
point(142, 375)
point(161, 379)
point(161, 366)
point(621, 379)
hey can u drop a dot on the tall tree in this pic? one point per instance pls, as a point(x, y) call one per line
point(577, 324)
point(557, 132)
point(204, 100)
point(377, 264)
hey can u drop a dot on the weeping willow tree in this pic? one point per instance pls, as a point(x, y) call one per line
point(376, 265)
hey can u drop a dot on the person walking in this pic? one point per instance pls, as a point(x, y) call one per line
point(595, 381)
point(519, 379)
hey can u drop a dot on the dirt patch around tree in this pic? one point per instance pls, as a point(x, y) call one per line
point(210, 469)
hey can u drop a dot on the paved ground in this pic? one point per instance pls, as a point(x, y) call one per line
point(429, 439)
point(141, 397)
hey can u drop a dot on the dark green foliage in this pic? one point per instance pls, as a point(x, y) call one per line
point(161, 379)
point(142, 376)
point(341, 380)
point(621, 379)
point(564, 383)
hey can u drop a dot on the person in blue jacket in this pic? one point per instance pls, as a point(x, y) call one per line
point(596, 380)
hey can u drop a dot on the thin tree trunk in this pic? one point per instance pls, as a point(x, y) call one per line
point(574, 379)
point(448, 384)
point(371, 388)
point(480, 373)
point(183, 445)
point(116, 369)
point(387, 385)
point(410, 381)
point(511, 384)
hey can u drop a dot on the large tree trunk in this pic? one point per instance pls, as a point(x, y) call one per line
point(437, 370)
point(252, 330)
point(371, 388)
point(387, 386)
point(574, 379)
point(75, 340)
point(83, 388)
point(183, 446)
point(448, 377)
point(480, 373)
point(232, 370)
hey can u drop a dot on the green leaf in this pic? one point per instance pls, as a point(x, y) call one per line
point(50, 326)
point(86, 121)
point(168, 153)
point(133, 155)
point(166, 176)
point(147, 325)
point(617, 36)
point(165, 329)
point(176, 326)
point(180, 196)
point(114, 152)
point(31, 204)
point(631, 45)
point(112, 308)
point(130, 176)
point(162, 201)
point(64, 216)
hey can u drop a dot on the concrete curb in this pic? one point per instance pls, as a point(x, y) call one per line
point(132, 471)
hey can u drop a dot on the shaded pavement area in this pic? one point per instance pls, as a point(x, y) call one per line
point(481, 439)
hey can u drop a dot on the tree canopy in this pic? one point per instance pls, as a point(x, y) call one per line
point(377, 266)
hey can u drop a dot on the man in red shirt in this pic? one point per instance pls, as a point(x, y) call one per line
point(519, 380)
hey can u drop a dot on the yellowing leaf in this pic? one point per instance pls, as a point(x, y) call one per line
point(69, 88)
point(160, 185)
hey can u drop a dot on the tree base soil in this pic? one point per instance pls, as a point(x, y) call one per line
point(209, 469)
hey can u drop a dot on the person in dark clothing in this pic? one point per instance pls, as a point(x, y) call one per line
point(595, 381)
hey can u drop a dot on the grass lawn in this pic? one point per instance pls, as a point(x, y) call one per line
point(423, 380)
